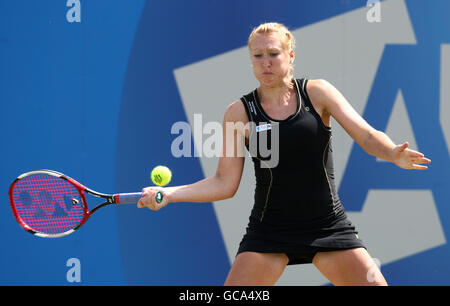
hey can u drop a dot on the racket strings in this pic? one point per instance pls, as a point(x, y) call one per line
point(48, 204)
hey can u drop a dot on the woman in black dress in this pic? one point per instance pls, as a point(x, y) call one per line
point(297, 216)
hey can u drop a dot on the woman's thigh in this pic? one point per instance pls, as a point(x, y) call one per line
point(256, 269)
point(353, 267)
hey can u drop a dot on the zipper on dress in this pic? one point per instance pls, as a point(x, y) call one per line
point(268, 192)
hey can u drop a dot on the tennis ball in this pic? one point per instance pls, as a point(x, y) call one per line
point(161, 175)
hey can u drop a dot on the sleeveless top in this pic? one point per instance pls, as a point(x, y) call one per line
point(295, 187)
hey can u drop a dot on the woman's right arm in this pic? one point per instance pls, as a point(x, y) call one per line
point(225, 182)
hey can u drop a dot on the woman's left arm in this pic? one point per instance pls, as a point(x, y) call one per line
point(332, 103)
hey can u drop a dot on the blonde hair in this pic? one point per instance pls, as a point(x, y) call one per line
point(286, 36)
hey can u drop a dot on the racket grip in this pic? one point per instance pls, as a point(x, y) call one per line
point(133, 198)
point(128, 198)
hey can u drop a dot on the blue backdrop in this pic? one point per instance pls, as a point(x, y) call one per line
point(96, 100)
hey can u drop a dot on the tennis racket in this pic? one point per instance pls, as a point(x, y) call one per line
point(50, 204)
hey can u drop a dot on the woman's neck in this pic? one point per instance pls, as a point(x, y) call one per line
point(276, 95)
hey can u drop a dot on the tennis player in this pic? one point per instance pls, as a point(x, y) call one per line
point(297, 216)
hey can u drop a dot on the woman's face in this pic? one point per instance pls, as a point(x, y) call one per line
point(271, 61)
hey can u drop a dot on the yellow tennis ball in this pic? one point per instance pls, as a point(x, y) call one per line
point(161, 175)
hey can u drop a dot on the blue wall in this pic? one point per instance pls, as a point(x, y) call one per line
point(96, 100)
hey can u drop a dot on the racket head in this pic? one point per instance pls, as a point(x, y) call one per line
point(48, 204)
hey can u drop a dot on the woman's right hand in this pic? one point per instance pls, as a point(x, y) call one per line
point(149, 195)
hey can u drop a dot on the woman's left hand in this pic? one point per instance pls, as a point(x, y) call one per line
point(409, 159)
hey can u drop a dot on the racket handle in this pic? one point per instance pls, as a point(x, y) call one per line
point(128, 198)
point(133, 198)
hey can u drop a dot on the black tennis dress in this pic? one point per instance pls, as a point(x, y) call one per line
point(296, 209)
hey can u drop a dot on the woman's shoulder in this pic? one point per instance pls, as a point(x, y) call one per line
point(235, 111)
point(317, 85)
point(318, 89)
